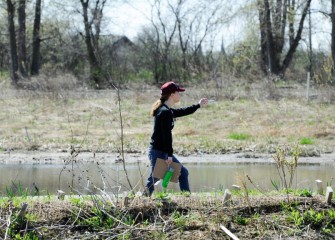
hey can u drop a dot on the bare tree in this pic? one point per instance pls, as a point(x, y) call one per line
point(166, 32)
point(193, 27)
point(22, 50)
point(12, 42)
point(206, 22)
point(35, 63)
point(332, 16)
point(273, 20)
point(19, 48)
point(156, 42)
point(17, 40)
point(330, 13)
point(175, 39)
point(92, 31)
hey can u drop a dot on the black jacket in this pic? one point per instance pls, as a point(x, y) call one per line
point(161, 138)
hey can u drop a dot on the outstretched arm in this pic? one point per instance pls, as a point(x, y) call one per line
point(180, 112)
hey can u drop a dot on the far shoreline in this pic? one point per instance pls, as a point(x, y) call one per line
point(61, 157)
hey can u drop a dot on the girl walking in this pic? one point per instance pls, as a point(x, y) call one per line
point(161, 138)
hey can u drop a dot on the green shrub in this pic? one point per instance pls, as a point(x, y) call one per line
point(304, 193)
point(295, 217)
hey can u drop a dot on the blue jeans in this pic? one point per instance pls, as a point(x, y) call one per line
point(183, 178)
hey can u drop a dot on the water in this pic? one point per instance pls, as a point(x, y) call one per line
point(48, 178)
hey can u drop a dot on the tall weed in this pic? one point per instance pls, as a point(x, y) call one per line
point(287, 168)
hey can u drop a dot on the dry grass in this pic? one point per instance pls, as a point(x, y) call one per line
point(90, 120)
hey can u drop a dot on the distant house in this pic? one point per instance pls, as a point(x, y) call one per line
point(119, 52)
point(122, 44)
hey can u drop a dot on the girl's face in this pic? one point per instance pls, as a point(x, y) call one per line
point(176, 97)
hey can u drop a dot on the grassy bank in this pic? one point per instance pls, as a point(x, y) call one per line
point(90, 120)
point(172, 216)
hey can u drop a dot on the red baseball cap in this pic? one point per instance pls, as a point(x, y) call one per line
point(171, 87)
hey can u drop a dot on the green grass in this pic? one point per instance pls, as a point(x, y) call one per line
point(306, 141)
point(240, 220)
point(239, 136)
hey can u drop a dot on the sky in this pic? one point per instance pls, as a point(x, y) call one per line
point(128, 19)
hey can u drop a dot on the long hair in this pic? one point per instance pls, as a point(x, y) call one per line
point(158, 104)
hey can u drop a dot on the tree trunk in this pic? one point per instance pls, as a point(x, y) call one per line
point(184, 47)
point(267, 44)
point(333, 36)
point(310, 55)
point(22, 52)
point(264, 56)
point(291, 15)
point(95, 68)
point(12, 42)
point(35, 62)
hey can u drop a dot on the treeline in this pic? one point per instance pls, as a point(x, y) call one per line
point(183, 40)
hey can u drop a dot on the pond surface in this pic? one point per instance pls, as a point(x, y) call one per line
point(204, 177)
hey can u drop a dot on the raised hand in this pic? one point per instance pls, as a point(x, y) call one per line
point(203, 102)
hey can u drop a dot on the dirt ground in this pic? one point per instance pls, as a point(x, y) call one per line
point(52, 157)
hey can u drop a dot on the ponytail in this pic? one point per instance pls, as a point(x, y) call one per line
point(158, 104)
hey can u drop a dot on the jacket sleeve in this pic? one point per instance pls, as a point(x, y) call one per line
point(180, 112)
point(166, 130)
